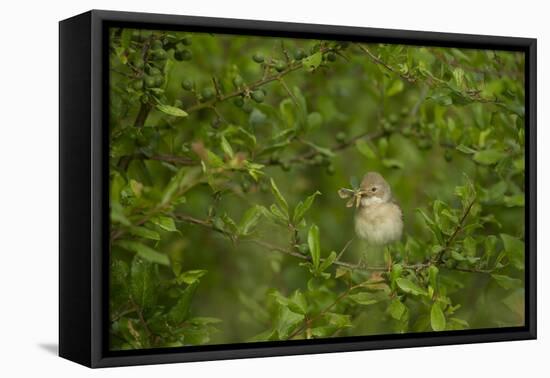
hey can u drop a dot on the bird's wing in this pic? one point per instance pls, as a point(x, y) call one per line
point(394, 201)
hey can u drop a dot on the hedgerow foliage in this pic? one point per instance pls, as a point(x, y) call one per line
point(226, 155)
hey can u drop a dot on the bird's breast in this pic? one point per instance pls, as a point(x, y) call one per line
point(379, 224)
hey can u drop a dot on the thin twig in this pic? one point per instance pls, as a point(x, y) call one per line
point(379, 61)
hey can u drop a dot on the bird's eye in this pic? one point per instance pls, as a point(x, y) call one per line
point(373, 189)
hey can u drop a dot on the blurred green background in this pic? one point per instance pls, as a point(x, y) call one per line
point(200, 124)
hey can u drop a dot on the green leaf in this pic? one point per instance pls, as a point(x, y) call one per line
point(279, 198)
point(364, 148)
point(322, 150)
point(213, 160)
point(465, 149)
point(515, 250)
point(396, 309)
point(313, 61)
point(278, 215)
point(125, 37)
point(143, 282)
point(145, 233)
point(395, 87)
point(364, 298)
point(287, 110)
point(432, 274)
point(226, 147)
point(303, 207)
point(249, 220)
point(507, 282)
point(180, 311)
point(517, 200)
point(172, 110)
point(166, 223)
point(298, 303)
point(489, 157)
point(189, 277)
point(143, 251)
point(286, 321)
point(410, 287)
point(431, 225)
point(338, 320)
point(117, 214)
point(437, 317)
point(328, 261)
point(314, 245)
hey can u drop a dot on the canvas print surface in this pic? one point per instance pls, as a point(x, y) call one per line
point(273, 189)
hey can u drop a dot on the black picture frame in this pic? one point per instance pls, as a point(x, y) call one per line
point(83, 196)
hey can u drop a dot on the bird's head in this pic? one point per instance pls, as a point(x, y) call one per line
point(375, 189)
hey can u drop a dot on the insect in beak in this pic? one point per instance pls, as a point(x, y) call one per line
point(353, 195)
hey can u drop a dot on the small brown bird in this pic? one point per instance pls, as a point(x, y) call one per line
point(378, 220)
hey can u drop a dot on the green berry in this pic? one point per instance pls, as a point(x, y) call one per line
point(157, 44)
point(187, 84)
point(344, 44)
point(318, 160)
point(186, 41)
point(258, 58)
point(159, 54)
point(137, 85)
point(239, 102)
point(238, 81)
point(258, 96)
point(280, 66)
point(138, 63)
point(183, 55)
point(159, 80)
point(153, 71)
point(303, 248)
point(330, 169)
point(247, 107)
point(299, 54)
point(341, 136)
point(331, 57)
point(207, 93)
point(149, 81)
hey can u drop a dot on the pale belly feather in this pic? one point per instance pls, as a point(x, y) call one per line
point(379, 224)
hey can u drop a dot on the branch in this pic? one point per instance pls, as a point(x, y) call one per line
point(286, 251)
point(456, 231)
point(144, 108)
point(338, 299)
point(378, 61)
point(246, 89)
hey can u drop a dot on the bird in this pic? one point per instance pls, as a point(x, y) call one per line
point(378, 219)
